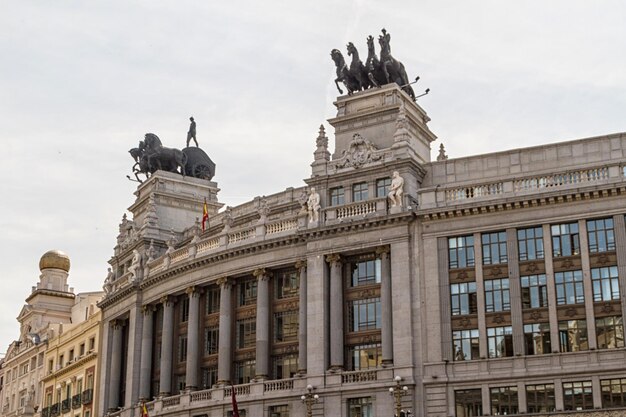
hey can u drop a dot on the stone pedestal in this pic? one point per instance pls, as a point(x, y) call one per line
point(375, 115)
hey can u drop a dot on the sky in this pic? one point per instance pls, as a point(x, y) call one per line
point(82, 82)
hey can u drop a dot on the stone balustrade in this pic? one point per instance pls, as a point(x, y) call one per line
point(201, 396)
point(561, 179)
point(241, 235)
point(278, 385)
point(207, 246)
point(179, 255)
point(359, 376)
point(476, 191)
point(281, 226)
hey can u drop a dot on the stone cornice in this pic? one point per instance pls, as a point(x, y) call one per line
point(53, 293)
point(72, 366)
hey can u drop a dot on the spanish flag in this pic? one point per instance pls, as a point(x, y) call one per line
point(234, 400)
point(144, 410)
point(205, 214)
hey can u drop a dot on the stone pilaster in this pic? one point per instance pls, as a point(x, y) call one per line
point(386, 329)
point(555, 344)
point(336, 312)
point(262, 323)
point(588, 285)
point(147, 334)
point(515, 286)
point(480, 298)
point(116, 365)
point(619, 228)
point(193, 342)
point(167, 347)
point(444, 289)
point(302, 325)
point(225, 340)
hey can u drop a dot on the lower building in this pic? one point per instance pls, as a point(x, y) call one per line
point(389, 284)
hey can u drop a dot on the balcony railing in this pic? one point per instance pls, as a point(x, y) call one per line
point(87, 396)
point(76, 401)
point(45, 412)
point(55, 410)
point(66, 405)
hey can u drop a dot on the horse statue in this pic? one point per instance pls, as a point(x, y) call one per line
point(357, 69)
point(343, 74)
point(151, 156)
point(393, 69)
point(375, 71)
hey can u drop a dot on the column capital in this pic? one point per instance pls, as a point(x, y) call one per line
point(224, 282)
point(167, 300)
point(193, 291)
point(333, 258)
point(300, 264)
point(382, 251)
point(117, 324)
point(148, 309)
point(262, 274)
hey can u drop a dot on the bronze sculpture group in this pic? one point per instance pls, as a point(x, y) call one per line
point(375, 72)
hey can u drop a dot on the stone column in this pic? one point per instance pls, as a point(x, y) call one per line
point(555, 343)
point(447, 352)
point(480, 298)
point(116, 365)
point(193, 342)
point(588, 285)
point(336, 312)
point(262, 323)
point(517, 318)
point(386, 328)
point(225, 339)
point(301, 267)
point(167, 347)
point(147, 334)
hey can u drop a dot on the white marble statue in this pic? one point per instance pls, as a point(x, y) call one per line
point(135, 264)
point(396, 190)
point(313, 204)
point(108, 282)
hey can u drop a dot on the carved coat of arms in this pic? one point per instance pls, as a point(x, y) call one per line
point(359, 152)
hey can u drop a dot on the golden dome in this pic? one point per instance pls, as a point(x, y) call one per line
point(55, 259)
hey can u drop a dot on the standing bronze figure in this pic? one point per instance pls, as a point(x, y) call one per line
point(393, 69)
point(192, 132)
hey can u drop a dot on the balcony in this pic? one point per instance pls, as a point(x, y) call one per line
point(76, 401)
point(87, 396)
point(54, 410)
point(66, 405)
point(45, 412)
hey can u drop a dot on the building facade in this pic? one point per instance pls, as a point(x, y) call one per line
point(485, 285)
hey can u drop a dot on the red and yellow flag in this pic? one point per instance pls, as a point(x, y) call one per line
point(234, 400)
point(144, 410)
point(205, 215)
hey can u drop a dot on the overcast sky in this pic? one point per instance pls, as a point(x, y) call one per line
point(81, 82)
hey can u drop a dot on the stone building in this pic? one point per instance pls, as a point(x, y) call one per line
point(50, 308)
point(485, 285)
point(70, 361)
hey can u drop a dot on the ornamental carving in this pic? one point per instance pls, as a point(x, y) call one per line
point(536, 315)
point(360, 152)
point(606, 308)
point(570, 312)
point(366, 293)
point(463, 276)
point(603, 259)
point(464, 322)
point(532, 267)
point(496, 271)
point(568, 263)
point(498, 319)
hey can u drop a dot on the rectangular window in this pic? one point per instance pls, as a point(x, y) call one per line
point(569, 287)
point(465, 344)
point(500, 341)
point(497, 296)
point(286, 326)
point(71, 358)
point(247, 292)
point(537, 338)
point(287, 284)
point(180, 382)
point(360, 407)
point(364, 314)
point(184, 309)
point(463, 298)
point(468, 402)
point(605, 283)
point(530, 243)
point(610, 332)
point(365, 272)
point(209, 377)
point(573, 335)
point(246, 333)
point(92, 343)
point(494, 248)
point(534, 291)
point(336, 196)
point(540, 398)
point(359, 191)
point(244, 371)
point(182, 348)
point(279, 410)
point(577, 395)
point(212, 300)
point(461, 252)
point(565, 240)
point(613, 393)
point(285, 366)
point(503, 400)
point(81, 349)
point(382, 187)
point(601, 235)
point(363, 357)
point(211, 340)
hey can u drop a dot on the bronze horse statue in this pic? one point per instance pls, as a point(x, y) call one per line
point(343, 73)
point(151, 156)
point(393, 69)
point(357, 69)
point(375, 71)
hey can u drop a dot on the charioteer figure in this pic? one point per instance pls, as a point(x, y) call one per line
point(192, 132)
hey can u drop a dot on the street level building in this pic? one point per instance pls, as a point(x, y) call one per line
point(486, 285)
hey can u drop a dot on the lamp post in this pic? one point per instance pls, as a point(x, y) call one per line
point(309, 399)
point(397, 392)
